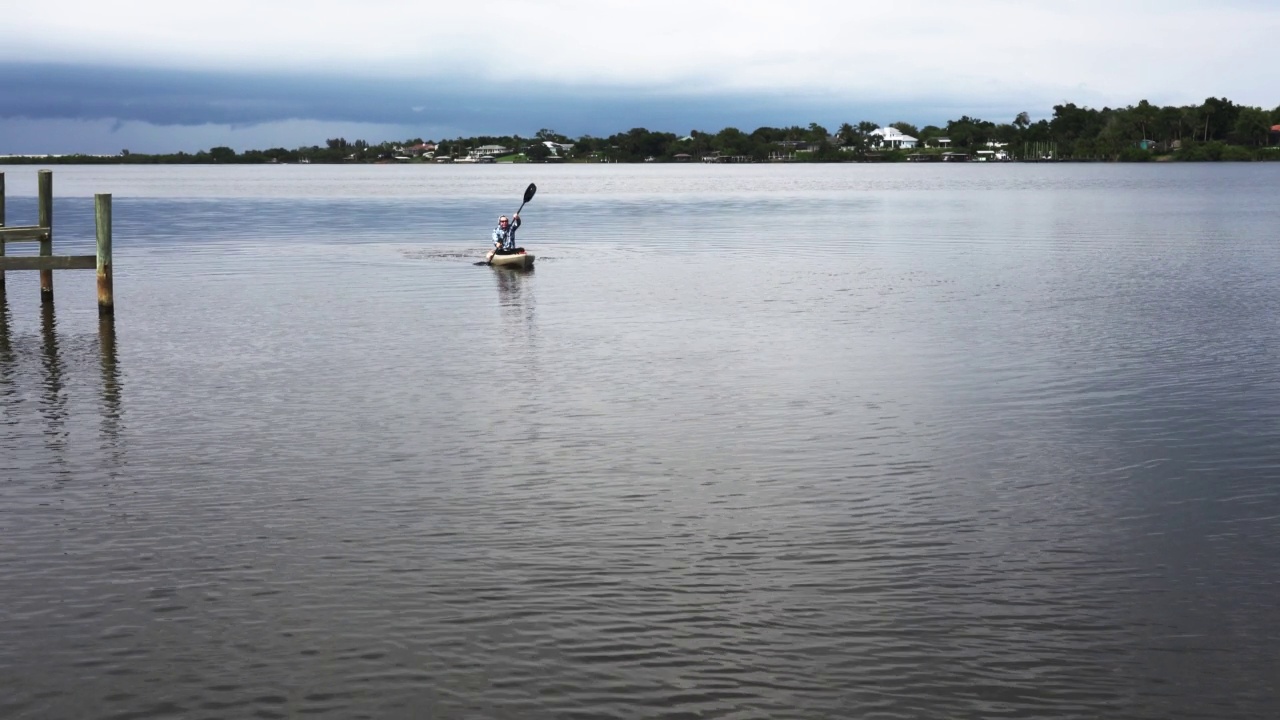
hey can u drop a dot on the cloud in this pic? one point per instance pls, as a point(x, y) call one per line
point(499, 67)
point(164, 97)
point(1119, 48)
point(57, 108)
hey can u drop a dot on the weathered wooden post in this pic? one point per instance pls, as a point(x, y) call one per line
point(46, 221)
point(1, 225)
point(46, 262)
point(102, 216)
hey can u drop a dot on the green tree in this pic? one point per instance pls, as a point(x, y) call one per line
point(552, 135)
point(970, 132)
point(700, 144)
point(1190, 121)
point(1253, 127)
point(824, 151)
point(1005, 133)
point(846, 134)
point(1206, 111)
point(732, 141)
point(1144, 116)
point(1168, 124)
point(1117, 136)
point(639, 143)
point(769, 135)
point(1070, 122)
point(222, 154)
point(1038, 132)
point(906, 128)
point(1219, 118)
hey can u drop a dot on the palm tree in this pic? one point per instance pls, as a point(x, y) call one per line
point(1207, 109)
point(846, 134)
point(1144, 115)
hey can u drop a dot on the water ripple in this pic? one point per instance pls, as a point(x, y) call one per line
point(750, 442)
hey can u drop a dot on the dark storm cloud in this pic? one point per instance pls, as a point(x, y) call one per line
point(187, 98)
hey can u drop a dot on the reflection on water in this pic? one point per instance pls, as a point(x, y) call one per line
point(6, 347)
point(53, 402)
point(47, 373)
point(930, 442)
point(111, 406)
point(519, 322)
point(515, 292)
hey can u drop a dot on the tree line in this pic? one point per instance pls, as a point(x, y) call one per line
point(1216, 129)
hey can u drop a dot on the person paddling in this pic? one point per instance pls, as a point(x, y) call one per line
point(504, 237)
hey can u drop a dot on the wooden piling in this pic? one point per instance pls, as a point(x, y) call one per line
point(46, 221)
point(1, 225)
point(46, 262)
point(102, 216)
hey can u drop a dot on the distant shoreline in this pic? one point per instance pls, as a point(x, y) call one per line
point(1265, 155)
point(1215, 130)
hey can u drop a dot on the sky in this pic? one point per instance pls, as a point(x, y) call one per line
point(164, 76)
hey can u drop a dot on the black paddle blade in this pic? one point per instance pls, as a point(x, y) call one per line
point(529, 191)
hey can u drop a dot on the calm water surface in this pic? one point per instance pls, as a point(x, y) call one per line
point(750, 442)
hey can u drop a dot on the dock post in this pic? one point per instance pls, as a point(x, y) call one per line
point(102, 216)
point(1, 225)
point(46, 221)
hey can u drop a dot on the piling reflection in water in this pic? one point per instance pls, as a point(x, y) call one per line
point(53, 403)
point(42, 379)
point(111, 407)
point(6, 348)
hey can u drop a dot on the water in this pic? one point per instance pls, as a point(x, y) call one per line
point(761, 441)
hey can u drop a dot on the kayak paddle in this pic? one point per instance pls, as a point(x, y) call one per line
point(528, 195)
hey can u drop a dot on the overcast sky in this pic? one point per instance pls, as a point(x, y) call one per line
point(156, 76)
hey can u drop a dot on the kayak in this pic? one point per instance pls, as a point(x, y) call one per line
point(521, 260)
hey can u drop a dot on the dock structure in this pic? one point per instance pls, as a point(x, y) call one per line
point(46, 262)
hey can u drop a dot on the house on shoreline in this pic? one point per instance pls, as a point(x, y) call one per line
point(484, 154)
point(895, 139)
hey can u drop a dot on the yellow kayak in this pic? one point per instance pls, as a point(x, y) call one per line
point(522, 260)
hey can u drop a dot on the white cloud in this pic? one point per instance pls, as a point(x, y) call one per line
point(1087, 51)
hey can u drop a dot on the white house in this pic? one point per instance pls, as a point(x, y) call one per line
point(491, 150)
point(558, 149)
point(892, 137)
